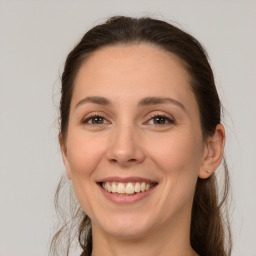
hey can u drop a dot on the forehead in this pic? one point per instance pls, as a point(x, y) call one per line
point(133, 70)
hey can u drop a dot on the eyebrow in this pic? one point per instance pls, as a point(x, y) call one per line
point(94, 99)
point(143, 102)
point(160, 100)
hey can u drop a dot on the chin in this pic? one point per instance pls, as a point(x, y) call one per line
point(127, 233)
point(126, 227)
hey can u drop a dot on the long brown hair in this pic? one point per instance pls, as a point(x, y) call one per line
point(210, 231)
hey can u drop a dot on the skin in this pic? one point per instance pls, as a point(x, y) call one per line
point(128, 142)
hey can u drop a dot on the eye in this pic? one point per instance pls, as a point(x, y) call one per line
point(95, 120)
point(160, 120)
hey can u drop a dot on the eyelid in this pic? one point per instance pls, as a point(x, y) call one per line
point(168, 117)
point(89, 116)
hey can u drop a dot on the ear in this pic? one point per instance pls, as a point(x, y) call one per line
point(64, 155)
point(213, 153)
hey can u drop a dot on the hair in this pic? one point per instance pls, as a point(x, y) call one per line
point(210, 230)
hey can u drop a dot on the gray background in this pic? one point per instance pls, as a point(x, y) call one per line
point(35, 37)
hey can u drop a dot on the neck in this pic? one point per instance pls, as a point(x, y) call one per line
point(166, 241)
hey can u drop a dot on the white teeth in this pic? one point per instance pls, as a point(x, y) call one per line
point(114, 187)
point(142, 186)
point(129, 188)
point(120, 188)
point(108, 187)
point(137, 187)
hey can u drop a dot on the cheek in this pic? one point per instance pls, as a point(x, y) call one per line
point(178, 153)
point(84, 154)
point(178, 158)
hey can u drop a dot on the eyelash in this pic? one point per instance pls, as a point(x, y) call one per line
point(87, 119)
point(166, 118)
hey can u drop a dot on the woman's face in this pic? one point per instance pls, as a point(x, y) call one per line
point(134, 145)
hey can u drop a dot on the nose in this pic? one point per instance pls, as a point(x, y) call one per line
point(125, 147)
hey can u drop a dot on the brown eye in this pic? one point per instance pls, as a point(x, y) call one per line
point(95, 120)
point(160, 120)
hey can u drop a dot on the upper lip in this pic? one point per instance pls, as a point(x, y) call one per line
point(126, 179)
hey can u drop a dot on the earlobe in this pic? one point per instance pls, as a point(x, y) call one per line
point(213, 153)
point(64, 155)
point(204, 174)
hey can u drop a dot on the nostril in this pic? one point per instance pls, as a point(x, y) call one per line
point(123, 161)
point(113, 161)
point(131, 160)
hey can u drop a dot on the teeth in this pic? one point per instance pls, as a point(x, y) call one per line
point(137, 187)
point(114, 188)
point(108, 187)
point(129, 188)
point(142, 186)
point(126, 188)
point(120, 188)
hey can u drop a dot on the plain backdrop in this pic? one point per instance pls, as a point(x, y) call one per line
point(35, 37)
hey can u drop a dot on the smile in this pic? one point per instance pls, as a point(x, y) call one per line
point(129, 188)
point(126, 190)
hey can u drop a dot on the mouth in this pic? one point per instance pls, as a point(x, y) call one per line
point(130, 188)
point(126, 191)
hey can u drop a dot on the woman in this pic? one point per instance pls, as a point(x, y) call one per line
point(141, 138)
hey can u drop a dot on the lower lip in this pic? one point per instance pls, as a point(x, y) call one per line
point(123, 199)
